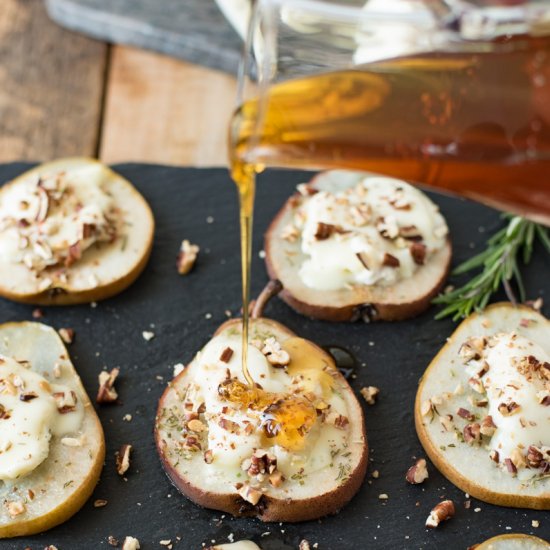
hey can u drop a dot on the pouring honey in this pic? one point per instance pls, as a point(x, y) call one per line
point(468, 113)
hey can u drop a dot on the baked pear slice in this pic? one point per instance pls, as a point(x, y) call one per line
point(332, 280)
point(291, 448)
point(71, 231)
point(513, 541)
point(47, 476)
point(482, 413)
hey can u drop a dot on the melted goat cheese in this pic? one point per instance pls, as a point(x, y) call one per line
point(29, 417)
point(504, 383)
point(54, 219)
point(231, 449)
point(363, 214)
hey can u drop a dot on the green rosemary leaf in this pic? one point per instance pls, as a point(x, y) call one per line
point(498, 267)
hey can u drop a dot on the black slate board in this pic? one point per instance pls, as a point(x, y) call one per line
point(184, 312)
point(194, 30)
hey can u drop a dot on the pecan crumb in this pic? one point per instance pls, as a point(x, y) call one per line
point(100, 503)
point(418, 472)
point(107, 392)
point(130, 543)
point(226, 355)
point(370, 393)
point(123, 459)
point(442, 511)
point(187, 257)
point(67, 335)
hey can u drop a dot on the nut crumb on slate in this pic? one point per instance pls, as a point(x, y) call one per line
point(187, 257)
point(535, 523)
point(178, 369)
point(112, 541)
point(418, 472)
point(130, 543)
point(67, 335)
point(442, 511)
point(37, 313)
point(123, 459)
point(148, 335)
point(100, 503)
point(107, 392)
point(370, 393)
point(127, 417)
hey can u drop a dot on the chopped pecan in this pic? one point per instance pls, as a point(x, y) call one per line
point(226, 355)
point(273, 352)
point(187, 257)
point(466, 414)
point(472, 433)
point(418, 252)
point(67, 335)
point(123, 459)
point(65, 401)
point(487, 426)
point(534, 457)
point(390, 261)
point(107, 392)
point(370, 393)
point(508, 409)
point(442, 511)
point(418, 472)
point(248, 493)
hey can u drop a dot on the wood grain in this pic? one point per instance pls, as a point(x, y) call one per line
point(51, 86)
point(165, 111)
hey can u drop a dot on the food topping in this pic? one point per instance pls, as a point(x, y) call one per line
point(442, 511)
point(379, 231)
point(32, 412)
point(512, 374)
point(187, 257)
point(291, 423)
point(107, 392)
point(418, 472)
point(48, 223)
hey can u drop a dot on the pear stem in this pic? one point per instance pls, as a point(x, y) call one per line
point(257, 306)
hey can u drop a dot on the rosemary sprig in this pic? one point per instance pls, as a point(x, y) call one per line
point(500, 266)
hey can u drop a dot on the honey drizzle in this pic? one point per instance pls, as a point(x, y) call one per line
point(244, 176)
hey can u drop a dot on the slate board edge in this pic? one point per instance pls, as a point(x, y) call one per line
point(133, 32)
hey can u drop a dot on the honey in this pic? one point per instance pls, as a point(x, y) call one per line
point(285, 419)
point(476, 124)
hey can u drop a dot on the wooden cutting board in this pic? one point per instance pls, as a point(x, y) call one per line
point(194, 30)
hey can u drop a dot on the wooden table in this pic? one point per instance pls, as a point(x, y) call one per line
point(63, 94)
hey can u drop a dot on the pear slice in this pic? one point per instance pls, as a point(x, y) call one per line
point(513, 541)
point(402, 300)
point(105, 269)
point(469, 467)
point(62, 483)
point(322, 470)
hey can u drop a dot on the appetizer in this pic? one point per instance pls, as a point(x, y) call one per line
point(512, 541)
point(352, 246)
point(482, 410)
point(51, 441)
point(71, 231)
point(290, 448)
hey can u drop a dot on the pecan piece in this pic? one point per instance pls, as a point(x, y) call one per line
point(418, 252)
point(370, 393)
point(107, 392)
point(187, 257)
point(67, 335)
point(123, 459)
point(442, 511)
point(418, 472)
